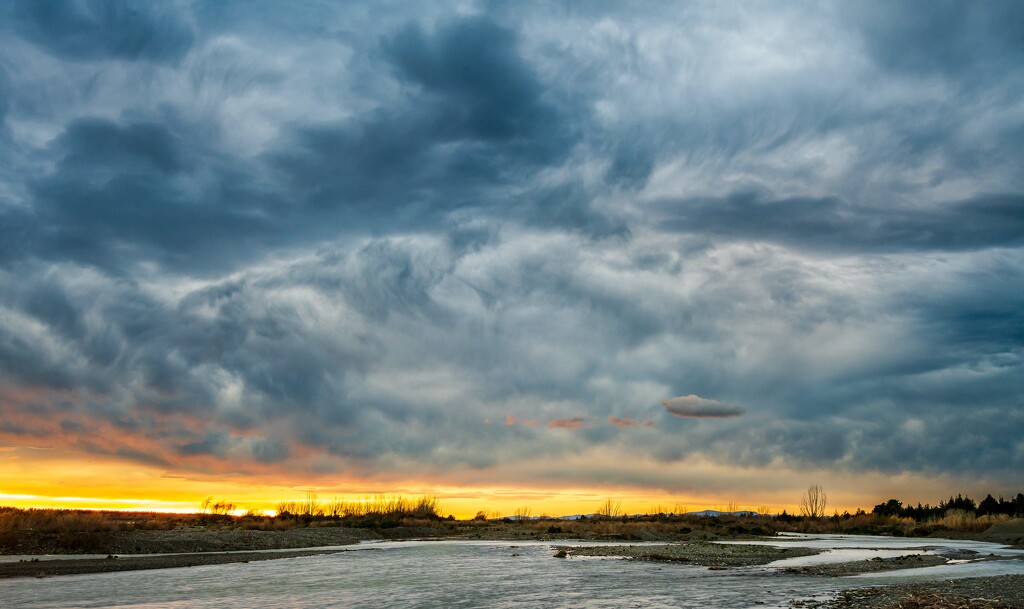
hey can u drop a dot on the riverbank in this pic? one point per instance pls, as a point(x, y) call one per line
point(81, 566)
point(196, 538)
point(204, 539)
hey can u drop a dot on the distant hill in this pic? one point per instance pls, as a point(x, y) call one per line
point(716, 513)
point(701, 514)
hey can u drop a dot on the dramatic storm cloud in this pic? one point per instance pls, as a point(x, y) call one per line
point(481, 243)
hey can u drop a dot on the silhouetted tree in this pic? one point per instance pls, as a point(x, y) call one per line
point(959, 503)
point(892, 507)
point(988, 505)
point(814, 501)
point(610, 508)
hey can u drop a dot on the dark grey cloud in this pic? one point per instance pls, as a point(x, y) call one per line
point(94, 145)
point(483, 87)
point(472, 122)
point(943, 37)
point(128, 192)
point(832, 225)
point(84, 30)
point(977, 313)
point(5, 97)
point(632, 161)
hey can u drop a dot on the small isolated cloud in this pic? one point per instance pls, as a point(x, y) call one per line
point(628, 422)
point(694, 406)
point(573, 423)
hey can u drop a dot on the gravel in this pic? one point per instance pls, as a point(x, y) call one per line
point(873, 565)
point(695, 553)
point(79, 566)
point(203, 539)
point(998, 592)
point(212, 540)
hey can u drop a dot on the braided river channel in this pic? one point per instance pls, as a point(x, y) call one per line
point(461, 573)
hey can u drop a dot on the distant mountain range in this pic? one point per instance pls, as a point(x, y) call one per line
point(702, 514)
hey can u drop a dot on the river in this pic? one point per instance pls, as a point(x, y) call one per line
point(487, 574)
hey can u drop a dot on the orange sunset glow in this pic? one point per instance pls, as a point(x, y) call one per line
point(58, 479)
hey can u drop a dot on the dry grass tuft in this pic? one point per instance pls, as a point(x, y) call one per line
point(963, 520)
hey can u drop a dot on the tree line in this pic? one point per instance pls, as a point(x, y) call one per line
point(989, 506)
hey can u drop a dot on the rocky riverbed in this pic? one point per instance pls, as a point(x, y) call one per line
point(999, 592)
point(79, 566)
point(203, 539)
point(695, 553)
point(873, 565)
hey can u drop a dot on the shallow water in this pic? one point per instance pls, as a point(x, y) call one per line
point(456, 574)
point(880, 542)
point(848, 548)
point(843, 555)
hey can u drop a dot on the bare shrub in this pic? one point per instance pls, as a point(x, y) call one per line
point(522, 513)
point(610, 508)
point(813, 502)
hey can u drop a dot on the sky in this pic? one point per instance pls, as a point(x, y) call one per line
point(511, 253)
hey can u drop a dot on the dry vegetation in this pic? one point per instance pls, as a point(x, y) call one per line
point(397, 511)
point(390, 515)
point(377, 508)
point(952, 522)
point(15, 520)
point(71, 530)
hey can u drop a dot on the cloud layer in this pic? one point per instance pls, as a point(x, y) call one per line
point(341, 240)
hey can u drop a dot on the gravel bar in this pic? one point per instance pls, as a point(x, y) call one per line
point(700, 553)
point(80, 566)
point(872, 565)
point(997, 592)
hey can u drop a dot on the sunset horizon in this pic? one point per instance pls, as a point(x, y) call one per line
point(144, 489)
